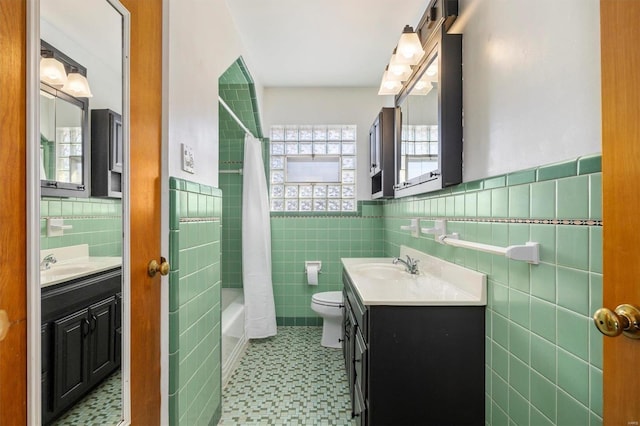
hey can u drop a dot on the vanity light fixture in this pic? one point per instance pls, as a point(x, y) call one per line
point(52, 72)
point(407, 53)
point(77, 85)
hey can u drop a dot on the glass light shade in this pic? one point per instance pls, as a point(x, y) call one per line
point(388, 86)
point(409, 47)
point(398, 70)
point(77, 86)
point(52, 72)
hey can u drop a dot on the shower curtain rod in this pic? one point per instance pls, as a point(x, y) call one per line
point(235, 117)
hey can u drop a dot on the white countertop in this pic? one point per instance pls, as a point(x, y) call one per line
point(74, 262)
point(438, 283)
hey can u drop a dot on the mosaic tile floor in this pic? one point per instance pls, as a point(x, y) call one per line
point(103, 406)
point(288, 379)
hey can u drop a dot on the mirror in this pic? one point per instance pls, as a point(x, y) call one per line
point(429, 119)
point(62, 138)
point(84, 299)
point(419, 135)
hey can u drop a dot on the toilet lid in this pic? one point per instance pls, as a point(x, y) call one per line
point(328, 298)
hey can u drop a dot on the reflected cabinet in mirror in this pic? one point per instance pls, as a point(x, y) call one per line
point(63, 126)
point(428, 139)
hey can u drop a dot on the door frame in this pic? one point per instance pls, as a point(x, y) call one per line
point(34, 391)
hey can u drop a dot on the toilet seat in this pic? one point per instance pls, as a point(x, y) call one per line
point(328, 298)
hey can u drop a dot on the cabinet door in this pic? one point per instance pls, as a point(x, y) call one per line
point(360, 363)
point(101, 339)
point(70, 358)
point(118, 331)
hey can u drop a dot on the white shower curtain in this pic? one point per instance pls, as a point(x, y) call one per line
point(260, 310)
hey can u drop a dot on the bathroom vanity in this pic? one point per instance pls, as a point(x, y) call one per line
point(414, 345)
point(81, 314)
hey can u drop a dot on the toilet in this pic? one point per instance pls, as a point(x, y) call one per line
point(329, 305)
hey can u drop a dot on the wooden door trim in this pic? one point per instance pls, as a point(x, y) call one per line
point(13, 241)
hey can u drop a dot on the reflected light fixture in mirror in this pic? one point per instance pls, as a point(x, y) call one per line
point(77, 85)
point(52, 72)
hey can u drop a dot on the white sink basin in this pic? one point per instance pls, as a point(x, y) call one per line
point(379, 282)
point(382, 271)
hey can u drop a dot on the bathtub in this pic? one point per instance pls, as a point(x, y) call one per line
point(233, 337)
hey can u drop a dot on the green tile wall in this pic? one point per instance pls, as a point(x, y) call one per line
point(195, 386)
point(95, 221)
point(237, 90)
point(543, 354)
point(297, 238)
point(231, 158)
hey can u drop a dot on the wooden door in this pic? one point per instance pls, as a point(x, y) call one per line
point(145, 148)
point(13, 212)
point(620, 41)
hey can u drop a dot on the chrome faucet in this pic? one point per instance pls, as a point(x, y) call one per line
point(411, 265)
point(47, 262)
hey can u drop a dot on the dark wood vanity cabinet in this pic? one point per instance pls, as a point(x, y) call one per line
point(414, 365)
point(106, 153)
point(79, 339)
point(381, 149)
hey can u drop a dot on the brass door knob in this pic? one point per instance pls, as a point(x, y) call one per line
point(155, 267)
point(624, 320)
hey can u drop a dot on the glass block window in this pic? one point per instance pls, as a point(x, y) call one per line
point(313, 168)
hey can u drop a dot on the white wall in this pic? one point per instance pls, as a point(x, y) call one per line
point(202, 43)
point(531, 83)
point(324, 105)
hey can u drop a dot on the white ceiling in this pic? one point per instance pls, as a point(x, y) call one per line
point(322, 43)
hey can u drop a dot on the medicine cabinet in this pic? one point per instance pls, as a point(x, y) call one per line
point(64, 138)
point(428, 139)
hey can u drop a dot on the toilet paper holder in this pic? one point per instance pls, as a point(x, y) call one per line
point(312, 263)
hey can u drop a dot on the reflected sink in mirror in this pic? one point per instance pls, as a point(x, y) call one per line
point(74, 262)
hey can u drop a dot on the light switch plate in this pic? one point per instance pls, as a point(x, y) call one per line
point(188, 159)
